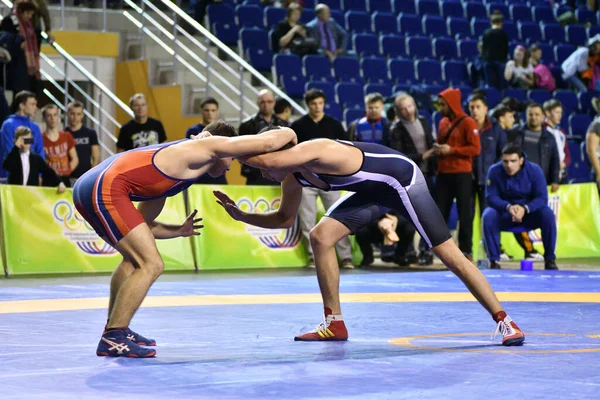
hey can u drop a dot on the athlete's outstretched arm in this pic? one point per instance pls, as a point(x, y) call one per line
point(249, 144)
point(290, 158)
point(284, 217)
point(152, 208)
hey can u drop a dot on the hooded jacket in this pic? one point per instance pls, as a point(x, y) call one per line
point(7, 135)
point(463, 140)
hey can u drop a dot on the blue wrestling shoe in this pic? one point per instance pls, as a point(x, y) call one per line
point(116, 344)
point(137, 338)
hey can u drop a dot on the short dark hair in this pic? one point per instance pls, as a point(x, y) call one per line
point(26, 6)
point(497, 17)
point(313, 94)
point(374, 97)
point(281, 104)
point(478, 97)
point(47, 107)
point(551, 104)
point(501, 111)
point(291, 8)
point(390, 114)
point(533, 105)
point(21, 98)
point(74, 104)
point(220, 128)
point(534, 47)
point(209, 100)
point(513, 149)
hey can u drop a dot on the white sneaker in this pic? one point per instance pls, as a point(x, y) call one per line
point(534, 257)
point(505, 257)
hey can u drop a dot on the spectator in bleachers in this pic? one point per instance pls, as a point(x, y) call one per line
point(592, 143)
point(492, 139)
point(518, 71)
point(330, 36)
point(506, 119)
point(24, 107)
point(25, 71)
point(457, 144)
point(210, 113)
point(553, 111)
point(577, 69)
point(142, 130)
point(316, 124)
point(373, 127)
point(25, 167)
point(42, 13)
point(254, 124)
point(494, 51)
point(59, 146)
point(283, 109)
point(477, 69)
point(411, 134)
point(517, 197)
point(292, 36)
point(86, 141)
point(542, 76)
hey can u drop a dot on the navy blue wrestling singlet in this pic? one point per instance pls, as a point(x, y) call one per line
point(387, 180)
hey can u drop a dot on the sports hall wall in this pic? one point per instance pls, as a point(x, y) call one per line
point(42, 233)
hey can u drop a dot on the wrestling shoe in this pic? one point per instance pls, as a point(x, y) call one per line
point(331, 329)
point(511, 334)
point(137, 338)
point(116, 344)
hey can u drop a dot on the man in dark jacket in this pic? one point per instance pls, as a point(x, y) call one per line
point(252, 125)
point(494, 51)
point(518, 197)
point(411, 135)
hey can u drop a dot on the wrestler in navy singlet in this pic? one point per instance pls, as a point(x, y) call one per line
point(387, 180)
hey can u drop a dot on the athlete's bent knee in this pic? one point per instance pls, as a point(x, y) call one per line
point(319, 237)
point(154, 268)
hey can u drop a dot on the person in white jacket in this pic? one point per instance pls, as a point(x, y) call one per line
point(577, 63)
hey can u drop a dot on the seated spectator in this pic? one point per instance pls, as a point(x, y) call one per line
point(517, 196)
point(592, 143)
point(59, 146)
point(25, 167)
point(542, 75)
point(577, 68)
point(372, 128)
point(494, 51)
point(24, 69)
point(553, 111)
point(290, 35)
point(283, 109)
point(330, 36)
point(518, 72)
point(210, 113)
point(395, 236)
point(25, 107)
point(142, 130)
point(86, 141)
point(477, 70)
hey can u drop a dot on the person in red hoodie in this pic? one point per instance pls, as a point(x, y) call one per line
point(457, 143)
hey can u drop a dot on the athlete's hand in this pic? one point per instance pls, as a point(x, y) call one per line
point(191, 225)
point(229, 205)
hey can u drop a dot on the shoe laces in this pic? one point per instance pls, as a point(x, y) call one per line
point(326, 323)
point(503, 327)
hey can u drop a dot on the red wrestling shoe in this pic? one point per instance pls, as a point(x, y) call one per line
point(512, 335)
point(331, 329)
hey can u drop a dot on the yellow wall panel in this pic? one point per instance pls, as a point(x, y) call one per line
point(81, 43)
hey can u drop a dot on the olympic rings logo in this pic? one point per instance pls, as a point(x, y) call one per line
point(261, 205)
point(71, 219)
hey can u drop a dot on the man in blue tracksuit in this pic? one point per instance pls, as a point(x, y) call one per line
point(517, 195)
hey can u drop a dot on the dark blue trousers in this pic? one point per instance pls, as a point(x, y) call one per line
point(495, 222)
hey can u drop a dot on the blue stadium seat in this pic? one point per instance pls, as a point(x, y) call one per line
point(226, 32)
point(250, 16)
point(593, 30)
point(401, 87)
point(409, 24)
point(465, 90)
point(585, 102)
point(475, 10)
point(576, 35)
point(498, 7)
point(434, 25)
point(478, 26)
point(568, 99)
point(580, 168)
point(261, 59)
point(458, 26)
point(584, 16)
point(557, 75)
point(221, 13)
point(317, 68)
point(511, 30)
point(455, 72)
point(554, 33)
point(333, 4)
point(308, 14)
point(520, 12)
point(293, 85)
point(273, 16)
point(530, 31)
point(374, 70)
point(352, 114)
point(392, 46)
point(452, 9)
point(349, 92)
point(334, 110)
point(445, 48)
point(325, 87)
point(379, 5)
point(384, 22)
point(429, 71)
point(254, 37)
point(519, 94)
point(562, 9)
point(346, 68)
point(338, 16)
point(543, 14)
point(287, 64)
point(425, 114)
point(579, 124)
point(428, 7)
point(419, 46)
point(563, 51)
point(434, 89)
point(402, 70)
point(404, 6)
point(252, 2)
point(547, 53)
point(383, 89)
point(358, 22)
point(308, 3)
point(366, 44)
point(539, 95)
point(357, 5)
point(467, 48)
point(493, 96)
